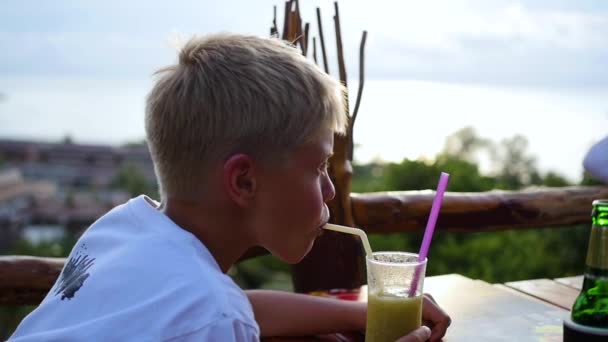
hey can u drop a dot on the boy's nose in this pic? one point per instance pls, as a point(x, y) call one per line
point(329, 190)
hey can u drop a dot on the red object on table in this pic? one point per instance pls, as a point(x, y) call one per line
point(343, 294)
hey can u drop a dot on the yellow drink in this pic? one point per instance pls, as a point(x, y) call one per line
point(390, 317)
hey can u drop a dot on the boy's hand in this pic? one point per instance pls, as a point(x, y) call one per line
point(421, 334)
point(433, 317)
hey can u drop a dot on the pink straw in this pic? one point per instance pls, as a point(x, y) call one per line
point(430, 227)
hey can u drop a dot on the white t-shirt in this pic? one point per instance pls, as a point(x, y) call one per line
point(134, 275)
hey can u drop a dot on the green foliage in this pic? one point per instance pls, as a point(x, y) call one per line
point(511, 255)
point(70, 200)
point(262, 272)
point(499, 256)
point(10, 316)
point(588, 180)
point(368, 177)
point(464, 176)
point(131, 179)
point(67, 139)
point(139, 143)
point(466, 145)
point(491, 256)
point(516, 168)
point(420, 176)
point(552, 179)
point(54, 248)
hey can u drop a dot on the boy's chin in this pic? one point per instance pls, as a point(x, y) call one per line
point(291, 257)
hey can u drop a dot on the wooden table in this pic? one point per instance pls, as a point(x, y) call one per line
point(529, 310)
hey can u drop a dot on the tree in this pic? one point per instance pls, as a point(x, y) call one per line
point(410, 175)
point(588, 180)
point(491, 256)
point(132, 180)
point(369, 177)
point(139, 143)
point(554, 179)
point(67, 140)
point(464, 175)
point(465, 144)
point(70, 200)
point(515, 168)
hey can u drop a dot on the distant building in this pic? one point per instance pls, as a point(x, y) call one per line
point(17, 200)
point(73, 165)
point(16, 194)
point(50, 185)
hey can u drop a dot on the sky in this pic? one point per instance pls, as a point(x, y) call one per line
point(536, 68)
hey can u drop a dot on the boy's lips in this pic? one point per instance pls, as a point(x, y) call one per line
point(321, 228)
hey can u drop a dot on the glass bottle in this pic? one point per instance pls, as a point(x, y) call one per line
point(591, 305)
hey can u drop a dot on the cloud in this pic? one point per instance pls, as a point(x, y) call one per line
point(511, 45)
point(544, 43)
point(111, 38)
point(80, 53)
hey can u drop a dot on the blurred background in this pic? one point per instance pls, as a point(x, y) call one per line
point(501, 94)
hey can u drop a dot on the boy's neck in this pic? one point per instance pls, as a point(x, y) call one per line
point(219, 231)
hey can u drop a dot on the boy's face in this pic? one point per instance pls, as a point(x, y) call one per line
point(292, 200)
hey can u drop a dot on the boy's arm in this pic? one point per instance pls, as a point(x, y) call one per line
point(291, 314)
point(281, 313)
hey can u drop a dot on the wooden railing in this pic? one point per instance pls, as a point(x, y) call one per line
point(26, 279)
point(391, 212)
point(330, 265)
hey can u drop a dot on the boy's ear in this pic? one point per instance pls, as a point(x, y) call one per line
point(239, 178)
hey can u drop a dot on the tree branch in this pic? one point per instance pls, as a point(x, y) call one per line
point(322, 40)
point(351, 125)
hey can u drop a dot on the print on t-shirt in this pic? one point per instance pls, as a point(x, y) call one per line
point(74, 274)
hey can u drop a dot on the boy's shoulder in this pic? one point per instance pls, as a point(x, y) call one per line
point(131, 266)
point(151, 252)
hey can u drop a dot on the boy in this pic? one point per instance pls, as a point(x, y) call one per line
point(240, 132)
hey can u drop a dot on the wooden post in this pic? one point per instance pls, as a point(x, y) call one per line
point(336, 260)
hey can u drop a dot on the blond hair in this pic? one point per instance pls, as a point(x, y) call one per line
point(235, 94)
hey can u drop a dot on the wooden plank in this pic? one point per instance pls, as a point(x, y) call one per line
point(483, 312)
point(407, 211)
point(525, 295)
point(574, 282)
point(547, 290)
